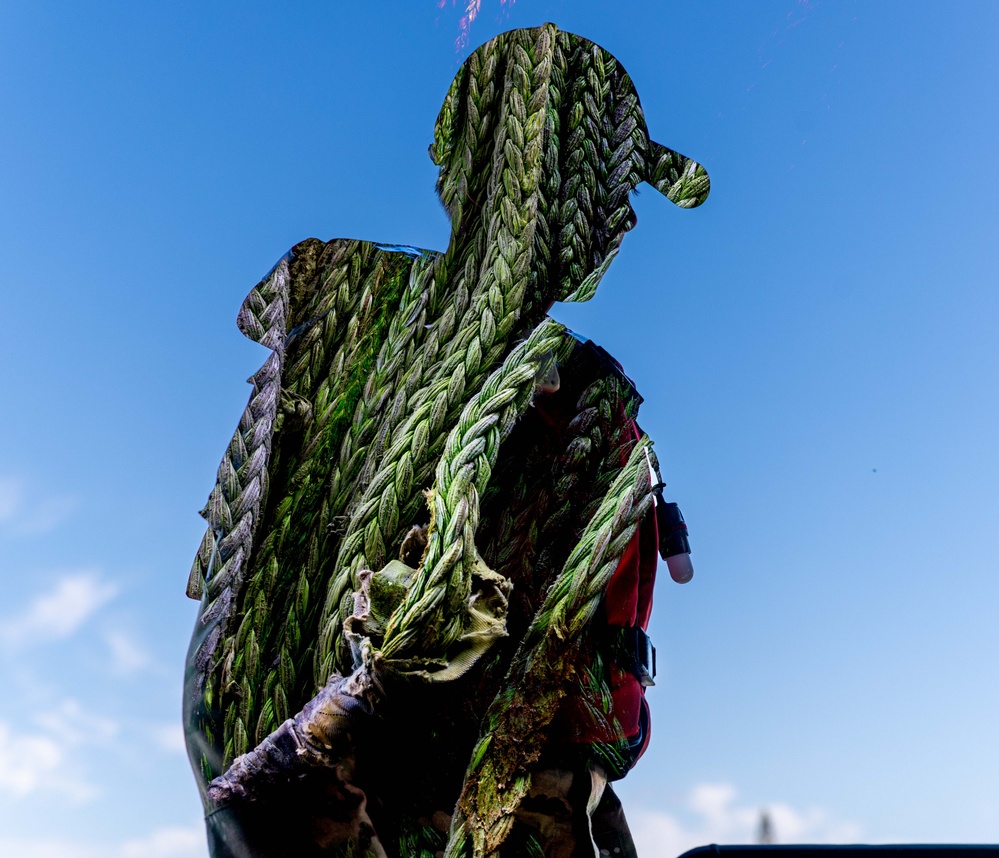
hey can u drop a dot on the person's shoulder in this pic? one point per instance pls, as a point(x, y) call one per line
point(314, 248)
point(301, 285)
point(593, 362)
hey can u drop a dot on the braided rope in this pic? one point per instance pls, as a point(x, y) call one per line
point(332, 334)
point(319, 494)
point(482, 338)
point(434, 603)
point(544, 668)
point(395, 373)
point(233, 508)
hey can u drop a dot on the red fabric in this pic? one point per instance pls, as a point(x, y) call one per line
point(628, 603)
point(621, 600)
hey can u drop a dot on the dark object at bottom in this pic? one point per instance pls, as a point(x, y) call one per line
point(890, 851)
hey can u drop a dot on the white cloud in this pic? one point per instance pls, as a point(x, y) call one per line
point(167, 842)
point(41, 761)
point(60, 612)
point(37, 848)
point(26, 761)
point(169, 737)
point(73, 726)
point(127, 655)
point(29, 763)
point(711, 814)
point(714, 804)
point(173, 842)
point(812, 826)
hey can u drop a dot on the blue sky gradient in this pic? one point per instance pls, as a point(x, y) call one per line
point(816, 346)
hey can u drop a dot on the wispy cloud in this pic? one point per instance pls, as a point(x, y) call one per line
point(169, 737)
point(59, 613)
point(45, 516)
point(712, 814)
point(43, 760)
point(74, 726)
point(11, 498)
point(24, 515)
point(33, 762)
point(127, 654)
point(167, 842)
point(173, 842)
point(30, 847)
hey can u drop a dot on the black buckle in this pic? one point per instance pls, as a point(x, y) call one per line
point(645, 658)
point(637, 655)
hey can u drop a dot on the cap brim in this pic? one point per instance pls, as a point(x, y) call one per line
point(680, 179)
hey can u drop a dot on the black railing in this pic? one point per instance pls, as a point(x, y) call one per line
point(892, 851)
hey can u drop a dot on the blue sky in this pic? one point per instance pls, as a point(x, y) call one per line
point(816, 346)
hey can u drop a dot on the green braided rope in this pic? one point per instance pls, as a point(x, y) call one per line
point(234, 506)
point(432, 616)
point(357, 436)
point(544, 668)
point(481, 338)
point(320, 354)
point(393, 374)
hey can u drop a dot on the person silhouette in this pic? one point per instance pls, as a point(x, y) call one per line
point(431, 545)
